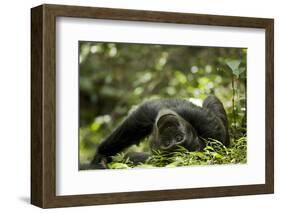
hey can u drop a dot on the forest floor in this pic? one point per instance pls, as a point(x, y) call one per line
point(214, 153)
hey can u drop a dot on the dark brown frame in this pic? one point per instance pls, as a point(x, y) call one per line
point(43, 105)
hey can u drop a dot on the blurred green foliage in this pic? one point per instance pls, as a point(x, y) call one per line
point(115, 77)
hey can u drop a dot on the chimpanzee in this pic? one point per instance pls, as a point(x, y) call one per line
point(169, 122)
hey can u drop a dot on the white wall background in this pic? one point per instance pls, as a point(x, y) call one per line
point(15, 105)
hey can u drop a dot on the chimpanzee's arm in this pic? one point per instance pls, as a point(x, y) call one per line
point(134, 128)
point(209, 121)
point(215, 105)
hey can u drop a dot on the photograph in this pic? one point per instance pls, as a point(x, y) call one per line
point(132, 105)
point(161, 105)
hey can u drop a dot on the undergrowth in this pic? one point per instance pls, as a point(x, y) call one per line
point(214, 153)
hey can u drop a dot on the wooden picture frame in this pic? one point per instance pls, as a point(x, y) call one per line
point(43, 105)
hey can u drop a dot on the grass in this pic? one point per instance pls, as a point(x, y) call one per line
point(214, 153)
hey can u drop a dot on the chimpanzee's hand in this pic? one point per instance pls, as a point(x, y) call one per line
point(99, 161)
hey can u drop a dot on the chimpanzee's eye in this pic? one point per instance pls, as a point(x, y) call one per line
point(179, 138)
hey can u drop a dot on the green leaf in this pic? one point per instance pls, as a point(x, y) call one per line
point(119, 166)
point(217, 155)
point(95, 126)
point(209, 148)
point(234, 66)
point(199, 154)
point(174, 164)
point(241, 70)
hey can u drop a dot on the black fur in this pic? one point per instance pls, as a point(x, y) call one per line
point(209, 121)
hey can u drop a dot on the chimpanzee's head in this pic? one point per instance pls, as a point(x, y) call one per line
point(171, 130)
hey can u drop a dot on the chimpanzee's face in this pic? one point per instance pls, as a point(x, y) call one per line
point(172, 130)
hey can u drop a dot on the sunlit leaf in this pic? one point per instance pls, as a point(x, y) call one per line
point(119, 166)
point(95, 126)
point(217, 155)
